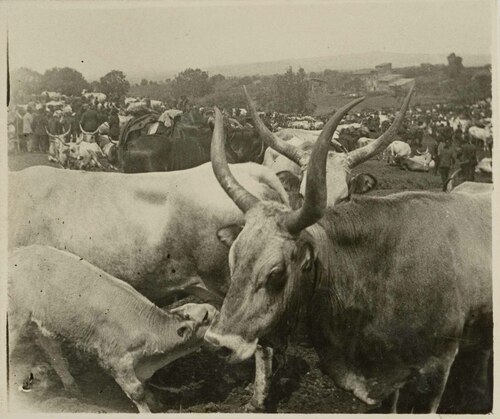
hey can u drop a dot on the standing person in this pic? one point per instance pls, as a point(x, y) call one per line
point(446, 161)
point(469, 160)
point(19, 128)
point(39, 127)
point(90, 121)
point(28, 129)
point(114, 124)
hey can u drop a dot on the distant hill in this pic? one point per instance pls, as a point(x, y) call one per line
point(344, 62)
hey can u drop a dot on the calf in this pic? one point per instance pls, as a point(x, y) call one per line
point(67, 297)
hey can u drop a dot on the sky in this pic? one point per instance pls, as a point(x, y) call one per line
point(96, 37)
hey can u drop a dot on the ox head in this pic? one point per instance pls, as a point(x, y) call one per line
point(89, 136)
point(273, 257)
point(61, 147)
point(338, 165)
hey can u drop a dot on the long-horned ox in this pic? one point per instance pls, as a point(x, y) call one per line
point(292, 157)
point(394, 286)
point(67, 297)
point(59, 149)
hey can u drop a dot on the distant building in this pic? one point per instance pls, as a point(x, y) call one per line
point(385, 81)
point(317, 85)
point(369, 79)
point(384, 68)
point(400, 86)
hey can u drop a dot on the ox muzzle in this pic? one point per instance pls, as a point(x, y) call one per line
point(233, 347)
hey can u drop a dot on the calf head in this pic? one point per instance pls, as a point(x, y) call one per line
point(272, 258)
point(195, 319)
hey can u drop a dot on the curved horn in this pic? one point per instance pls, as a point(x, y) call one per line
point(272, 140)
point(49, 134)
point(364, 153)
point(88, 133)
point(67, 132)
point(241, 197)
point(315, 196)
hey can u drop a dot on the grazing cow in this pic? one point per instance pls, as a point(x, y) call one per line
point(59, 149)
point(421, 163)
point(396, 151)
point(394, 286)
point(294, 155)
point(67, 297)
point(155, 231)
point(485, 166)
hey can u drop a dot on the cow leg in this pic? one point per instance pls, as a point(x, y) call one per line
point(262, 384)
point(388, 405)
point(133, 388)
point(52, 349)
point(432, 382)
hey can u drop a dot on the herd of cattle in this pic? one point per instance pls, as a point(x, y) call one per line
point(393, 287)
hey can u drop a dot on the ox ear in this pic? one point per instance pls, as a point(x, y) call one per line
point(304, 256)
point(227, 235)
point(362, 183)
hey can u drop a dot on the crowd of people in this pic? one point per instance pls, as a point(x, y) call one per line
point(442, 129)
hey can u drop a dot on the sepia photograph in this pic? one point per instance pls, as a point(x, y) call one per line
point(248, 206)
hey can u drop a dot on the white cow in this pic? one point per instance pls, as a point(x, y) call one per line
point(59, 149)
point(65, 296)
point(421, 163)
point(483, 134)
point(485, 166)
point(397, 150)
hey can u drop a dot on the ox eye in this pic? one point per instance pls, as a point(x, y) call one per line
point(276, 280)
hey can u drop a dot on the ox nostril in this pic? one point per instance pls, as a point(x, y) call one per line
point(224, 352)
point(183, 331)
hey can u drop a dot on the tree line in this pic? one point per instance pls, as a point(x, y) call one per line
point(289, 92)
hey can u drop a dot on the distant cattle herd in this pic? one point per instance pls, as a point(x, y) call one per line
point(260, 217)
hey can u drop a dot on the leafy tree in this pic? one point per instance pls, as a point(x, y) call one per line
point(291, 91)
point(24, 82)
point(218, 78)
point(144, 82)
point(455, 66)
point(193, 83)
point(65, 80)
point(95, 86)
point(114, 85)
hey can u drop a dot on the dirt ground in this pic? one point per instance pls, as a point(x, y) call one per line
point(203, 382)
